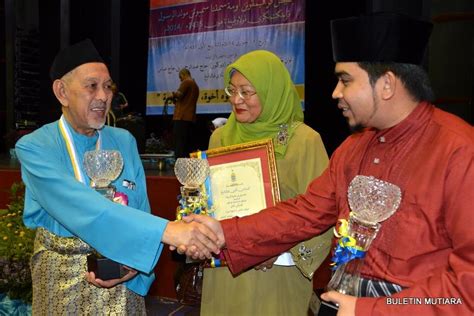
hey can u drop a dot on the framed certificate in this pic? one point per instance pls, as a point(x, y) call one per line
point(243, 178)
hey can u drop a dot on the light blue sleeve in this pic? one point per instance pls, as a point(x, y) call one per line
point(121, 233)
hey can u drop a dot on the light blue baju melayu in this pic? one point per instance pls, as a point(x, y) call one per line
point(66, 207)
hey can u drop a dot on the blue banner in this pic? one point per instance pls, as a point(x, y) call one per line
point(207, 53)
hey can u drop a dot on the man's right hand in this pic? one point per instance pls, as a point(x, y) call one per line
point(198, 239)
point(210, 223)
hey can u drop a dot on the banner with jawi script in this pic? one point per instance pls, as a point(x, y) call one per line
point(206, 36)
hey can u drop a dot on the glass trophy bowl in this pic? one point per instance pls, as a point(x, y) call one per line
point(103, 167)
point(371, 201)
point(191, 172)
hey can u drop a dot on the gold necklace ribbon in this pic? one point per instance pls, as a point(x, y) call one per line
point(71, 148)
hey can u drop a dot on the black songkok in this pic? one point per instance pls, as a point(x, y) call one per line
point(380, 37)
point(72, 57)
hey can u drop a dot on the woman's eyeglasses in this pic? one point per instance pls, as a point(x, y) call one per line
point(244, 94)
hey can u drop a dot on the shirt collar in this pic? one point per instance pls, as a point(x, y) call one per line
point(409, 126)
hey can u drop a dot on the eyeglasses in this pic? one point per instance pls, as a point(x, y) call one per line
point(244, 94)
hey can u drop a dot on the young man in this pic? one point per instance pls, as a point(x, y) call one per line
point(72, 219)
point(422, 256)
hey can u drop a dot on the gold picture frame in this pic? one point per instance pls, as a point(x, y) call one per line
point(243, 178)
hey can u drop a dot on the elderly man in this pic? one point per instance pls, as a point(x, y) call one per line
point(72, 219)
point(422, 260)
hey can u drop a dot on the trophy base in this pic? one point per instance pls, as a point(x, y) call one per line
point(108, 192)
point(104, 268)
point(328, 309)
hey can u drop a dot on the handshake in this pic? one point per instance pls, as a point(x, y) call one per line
point(197, 236)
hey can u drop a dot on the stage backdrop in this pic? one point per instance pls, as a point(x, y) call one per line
point(206, 36)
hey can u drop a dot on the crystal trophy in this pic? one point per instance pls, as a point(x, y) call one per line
point(371, 201)
point(103, 167)
point(191, 173)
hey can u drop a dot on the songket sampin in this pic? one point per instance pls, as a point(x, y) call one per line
point(371, 201)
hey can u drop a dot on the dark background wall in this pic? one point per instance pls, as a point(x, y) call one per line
point(119, 29)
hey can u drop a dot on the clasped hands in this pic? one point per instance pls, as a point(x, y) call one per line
point(200, 236)
point(197, 236)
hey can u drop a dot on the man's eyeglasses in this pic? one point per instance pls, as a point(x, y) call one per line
point(244, 94)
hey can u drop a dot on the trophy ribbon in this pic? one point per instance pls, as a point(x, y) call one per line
point(120, 198)
point(197, 207)
point(347, 248)
point(207, 190)
point(216, 260)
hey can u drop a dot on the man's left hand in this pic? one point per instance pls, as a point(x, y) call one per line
point(268, 264)
point(90, 277)
point(346, 303)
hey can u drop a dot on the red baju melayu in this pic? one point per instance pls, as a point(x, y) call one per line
point(427, 246)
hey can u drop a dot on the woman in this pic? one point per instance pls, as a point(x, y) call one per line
point(265, 104)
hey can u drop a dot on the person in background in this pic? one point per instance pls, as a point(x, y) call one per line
point(265, 108)
point(184, 114)
point(119, 101)
point(72, 219)
point(422, 260)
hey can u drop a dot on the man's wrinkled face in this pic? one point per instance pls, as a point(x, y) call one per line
point(88, 94)
point(356, 97)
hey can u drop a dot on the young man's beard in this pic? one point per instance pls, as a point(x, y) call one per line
point(356, 128)
point(359, 127)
